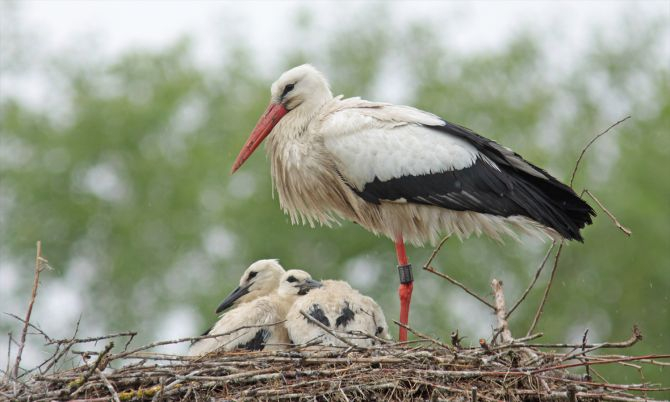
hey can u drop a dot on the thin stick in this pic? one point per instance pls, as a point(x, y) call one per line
point(109, 386)
point(635, 338)
point(460, 285)
point(190, 339)
point(424, 336)
point(9, 353)
point(80, 383)
point(497, 287)
point(584, 338)
point(38, 268)
point(92, 339)
point(532, 284)
point(540, 308)
point(586, 147)
point(435, 251)
point(618, 224)
point(594, 362)
point(31, 326)
point(328, 330)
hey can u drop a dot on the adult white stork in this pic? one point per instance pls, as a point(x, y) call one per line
point(401, 172)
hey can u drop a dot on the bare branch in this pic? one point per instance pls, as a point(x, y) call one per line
point(424, 336)
point(22, 343)
point(532, 284)
point(460, 285)
point(497, 287)
point(540, 308)
point(328, 330)
point(624, 229)
point(586, 147)
point(434, 253)
point(80, 382)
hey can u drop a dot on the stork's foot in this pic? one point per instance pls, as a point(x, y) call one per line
point(405, 293)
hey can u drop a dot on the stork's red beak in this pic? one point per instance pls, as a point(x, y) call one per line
point(266, 123)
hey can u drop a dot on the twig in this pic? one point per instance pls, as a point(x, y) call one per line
point(38, 268)
point(460, 285)
point(190, 339)
point(109, 386)
point(80, 383)
point(434, 253)
point(618, 224)
point(9, 353)
point(607, 361)
point(540, 308)
point(92, 339)
point(328, 330)
point(586, 147)
point(424, 336)
point(31, 326)
point(497, 287)
point(532, 283)
point(634, 338)
point(588, 368)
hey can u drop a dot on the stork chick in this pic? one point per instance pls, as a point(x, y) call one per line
point(260, 279)
point(341, 308)
point(258, 324)
point(401, 172)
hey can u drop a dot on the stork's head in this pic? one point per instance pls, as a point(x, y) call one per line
point(299, 91)
point(261, 278)
point(296, 283)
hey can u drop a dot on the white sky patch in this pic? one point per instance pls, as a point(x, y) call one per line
point(9, 272)
point(219, 242)
point(104, 181)
point(60, 305)
point(596, 320)
point(468, 313)
point(14, 153)
point(192, 273)
point(180, 322)
point(213, 198)
point(242, 185)
point(362, 272)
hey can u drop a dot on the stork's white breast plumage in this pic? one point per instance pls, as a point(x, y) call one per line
point(344, 310)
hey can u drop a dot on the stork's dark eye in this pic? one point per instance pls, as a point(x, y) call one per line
point(291, 279)
point(252, 275)
point(287, 89)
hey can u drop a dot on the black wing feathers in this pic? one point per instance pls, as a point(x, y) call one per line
point(500, 182)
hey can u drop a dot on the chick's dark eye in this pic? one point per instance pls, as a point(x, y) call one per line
point(287, 89)
point(252, 275)
point(291, 279)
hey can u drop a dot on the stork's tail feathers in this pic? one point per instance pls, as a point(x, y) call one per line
point(554, 205)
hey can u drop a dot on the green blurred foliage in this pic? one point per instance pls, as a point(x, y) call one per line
point(131, 174)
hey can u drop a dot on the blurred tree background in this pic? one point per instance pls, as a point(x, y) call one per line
point(125, 179)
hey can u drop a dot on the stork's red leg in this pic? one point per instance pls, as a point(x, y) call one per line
point(406, 285)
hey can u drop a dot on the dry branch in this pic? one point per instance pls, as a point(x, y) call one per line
point(540, 308)
point(39, 261)
point(588, 145)
point(614, 219)
point(460, 285)
point(501, 313)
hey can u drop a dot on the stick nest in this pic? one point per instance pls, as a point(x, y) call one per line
point(423, 369)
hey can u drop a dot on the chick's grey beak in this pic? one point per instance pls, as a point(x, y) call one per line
point(308, 285)
point(236, 294)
